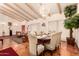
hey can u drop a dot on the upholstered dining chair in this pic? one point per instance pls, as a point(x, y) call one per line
point(58, 39)
point(51, 46)
point(34, 48)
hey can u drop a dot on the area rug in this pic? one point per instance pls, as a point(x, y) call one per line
point(8, 52)
point(18, 40)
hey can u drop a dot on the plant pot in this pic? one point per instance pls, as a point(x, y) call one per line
point(71, 41)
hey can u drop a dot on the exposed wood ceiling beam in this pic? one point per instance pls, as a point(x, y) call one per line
point(33, 10)
point(4, 13)
point(17, 11)
point(25, 11)
point(13, 13)
point(8, 12)
point(59, 8)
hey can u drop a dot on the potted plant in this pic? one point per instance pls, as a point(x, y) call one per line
point(69, 11)
point(71, 23)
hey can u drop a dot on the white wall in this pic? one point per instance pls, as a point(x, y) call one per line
point(16, 25)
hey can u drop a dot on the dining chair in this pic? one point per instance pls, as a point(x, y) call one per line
point(51, 46)
point(58, 39)
point(34, 48)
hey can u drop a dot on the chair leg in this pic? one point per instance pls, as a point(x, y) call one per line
point(47, 53)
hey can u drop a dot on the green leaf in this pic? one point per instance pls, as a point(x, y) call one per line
point(70, 10)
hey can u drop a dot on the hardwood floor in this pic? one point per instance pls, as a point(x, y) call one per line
point(64, 50)
point(21, 49)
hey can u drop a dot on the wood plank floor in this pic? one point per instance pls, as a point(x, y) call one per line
point(65, 50)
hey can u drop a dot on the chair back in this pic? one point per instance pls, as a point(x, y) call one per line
point(53, 41)
point(32, 44)
point(59, 38)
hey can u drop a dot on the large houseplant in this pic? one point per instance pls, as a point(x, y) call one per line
point(69, 23)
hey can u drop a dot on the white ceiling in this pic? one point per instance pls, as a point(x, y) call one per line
point(31, 11)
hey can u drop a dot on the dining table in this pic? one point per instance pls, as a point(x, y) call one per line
point(43, 39)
